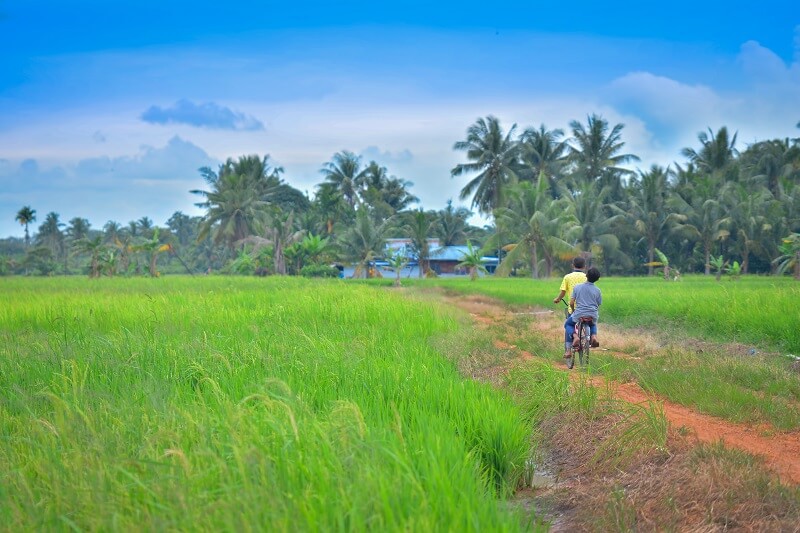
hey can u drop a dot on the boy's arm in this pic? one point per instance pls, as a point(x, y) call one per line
point(559, 297)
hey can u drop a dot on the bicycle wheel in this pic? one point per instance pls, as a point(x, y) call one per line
point(585, 343)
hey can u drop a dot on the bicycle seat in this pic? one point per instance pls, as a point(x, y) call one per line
point(586, 319)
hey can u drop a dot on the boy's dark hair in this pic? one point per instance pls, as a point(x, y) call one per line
point(592, 274)
point(579, 262)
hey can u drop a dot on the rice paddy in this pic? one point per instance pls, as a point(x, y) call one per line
point(224, 403)
point(241, 404)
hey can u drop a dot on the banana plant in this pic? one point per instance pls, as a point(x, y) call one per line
point(719, 265)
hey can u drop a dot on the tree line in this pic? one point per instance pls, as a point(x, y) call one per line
point(549, 197)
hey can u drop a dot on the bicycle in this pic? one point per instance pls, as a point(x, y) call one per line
point(584, 330)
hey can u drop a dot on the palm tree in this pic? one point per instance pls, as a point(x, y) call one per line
point(78, 228)
point(112, 231)
point(451, 224)
point(152, 247)
point(716, 154)
point(596, 152)
point(25, 217)
point(145, 226)
point(364, 240)
point(330, 206)
point(239, 193)
point(747, 218)
point(315, 248)
point(705, 222)
point(540, 224)
point(769, 163)
point(398, 262)
point(182, 227)
point(472, 261)
point(595, 227)
point(544, 154)
point(418, 228)
point(648, 209)
point(384, 194)
point(94, 247)
point(790, 254)
point(494, 156)
point(133, 228)
point(346, 176)
point(279, 233)
point(51, 236)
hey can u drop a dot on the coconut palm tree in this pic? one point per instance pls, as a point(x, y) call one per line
point(716, 154)
point(705, 222)
point(94, 247)
point(78, 228)
point(495, 156)
point(472, 261)
point(596, 155)
point(649, 211)
point(790, 254)
point(239, 194)
point(596, 228)
point(544, 153)
point(50, 234)
point(418, 228)
point(540, 224)
point(111, 231)
point(747, 218)
point(315, 247)
point(364, 240)
point(346, 176)
point(152, 247)
point(25, 217)
point(451, 224)
point(384, 194)
point(279, 233)
point(398, 262)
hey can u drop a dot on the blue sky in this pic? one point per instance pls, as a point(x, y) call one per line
point(107, 109)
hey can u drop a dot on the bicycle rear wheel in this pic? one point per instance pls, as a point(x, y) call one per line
point(585, 343)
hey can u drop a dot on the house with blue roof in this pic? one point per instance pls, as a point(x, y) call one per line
point(445, 260)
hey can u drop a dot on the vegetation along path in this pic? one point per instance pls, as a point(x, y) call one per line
point(779, 449)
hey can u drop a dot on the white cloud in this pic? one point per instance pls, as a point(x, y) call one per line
point(665, 99)
point(154, 182)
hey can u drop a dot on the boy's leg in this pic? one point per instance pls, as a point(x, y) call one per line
point(593, 330)
point(569, 332)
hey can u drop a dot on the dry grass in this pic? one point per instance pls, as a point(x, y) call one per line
point(679, 488)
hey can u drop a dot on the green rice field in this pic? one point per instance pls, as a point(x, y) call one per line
point(233, 403)
point(245, 403)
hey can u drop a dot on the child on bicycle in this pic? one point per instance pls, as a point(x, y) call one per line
point(578, 275)
point(586, 301)
point(575, 277)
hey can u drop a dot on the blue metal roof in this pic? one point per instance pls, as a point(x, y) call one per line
point(455, 253)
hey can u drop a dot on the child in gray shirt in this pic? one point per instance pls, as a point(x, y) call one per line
point(586, 299)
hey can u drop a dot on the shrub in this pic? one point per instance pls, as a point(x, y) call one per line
point(319, 271)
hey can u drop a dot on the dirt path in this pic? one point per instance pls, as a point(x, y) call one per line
point(780, 451)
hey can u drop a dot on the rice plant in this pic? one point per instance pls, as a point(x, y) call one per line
point(240, 404)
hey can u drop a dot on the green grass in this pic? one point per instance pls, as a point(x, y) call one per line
point(761, 311)
point(237, 404)
point(758, 388)
point(748, 390)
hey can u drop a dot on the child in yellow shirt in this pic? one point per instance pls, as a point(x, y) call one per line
point(577, 276)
